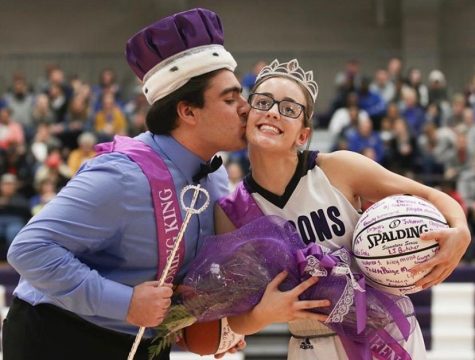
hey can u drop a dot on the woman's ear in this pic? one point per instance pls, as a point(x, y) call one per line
point(303, 136)
point(186, 113)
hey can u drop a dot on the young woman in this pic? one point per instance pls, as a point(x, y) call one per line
point(309, 189)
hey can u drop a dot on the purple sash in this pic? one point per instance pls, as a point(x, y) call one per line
point(165, 201)
point(241, 208)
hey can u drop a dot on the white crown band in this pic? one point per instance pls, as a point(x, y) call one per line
point(293, 71)
point(173, 73)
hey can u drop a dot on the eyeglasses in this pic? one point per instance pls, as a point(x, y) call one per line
point(264, 102)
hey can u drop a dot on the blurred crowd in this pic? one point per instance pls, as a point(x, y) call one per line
point(48, 128)
point(409, 123)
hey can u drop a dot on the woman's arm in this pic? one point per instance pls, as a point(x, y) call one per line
point(278, 307)
point(275, 305)
point(371, 181)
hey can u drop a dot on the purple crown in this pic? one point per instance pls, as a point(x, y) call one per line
point(170, 36)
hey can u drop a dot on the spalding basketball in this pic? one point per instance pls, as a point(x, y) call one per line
point(208, 338)
point(386, 242)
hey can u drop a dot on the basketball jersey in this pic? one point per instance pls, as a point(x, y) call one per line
point(318, 210)
point(321, 214)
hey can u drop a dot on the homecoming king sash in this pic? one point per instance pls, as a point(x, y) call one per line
point(165, 201)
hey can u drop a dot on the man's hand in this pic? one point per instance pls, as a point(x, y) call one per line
point(149, 304)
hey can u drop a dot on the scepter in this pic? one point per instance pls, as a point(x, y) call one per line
point(189, 212)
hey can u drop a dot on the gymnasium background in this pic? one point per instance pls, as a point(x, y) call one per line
point(82, 38)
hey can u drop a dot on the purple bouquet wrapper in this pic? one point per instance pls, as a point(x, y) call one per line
point(231, 271)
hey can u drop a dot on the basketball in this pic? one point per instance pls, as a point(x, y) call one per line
point(386, 242)
point(208, 338)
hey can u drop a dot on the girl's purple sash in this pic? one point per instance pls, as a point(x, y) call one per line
point(165, 201)
point(241, 209)
point(240, 206)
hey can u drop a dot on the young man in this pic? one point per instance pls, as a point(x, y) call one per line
point(88, 261)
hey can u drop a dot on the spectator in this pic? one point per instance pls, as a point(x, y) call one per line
point(42, 112)
point(11, 132)
point(414, 80)
point(138, 123)
point(401, 153)
point(235, 174)
point(107, 85)
point(59, 93)
point(470, 93)
point(372, 103)
point(20, 101)
point(457, 107)
point(341, 118)
point(412, 112)
point(365, 138)
point(466, 188)
point(110, 120)
point(53, 169)
point(383, 86)
point(46, 191)
point(346, 81)
point(454, 165)
point(84, 152)
point(249, 78)
point(14, 208)
point(43, 142)
point(395, 70)
point(437, 88)
point(437, 146)
point(77, 120)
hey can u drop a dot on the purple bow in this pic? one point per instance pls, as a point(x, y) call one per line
point(306, 262)
point(314, 260)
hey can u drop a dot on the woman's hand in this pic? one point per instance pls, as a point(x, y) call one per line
point(239, 346)
point(278, 306)
point(283, 306)
point(453, 243)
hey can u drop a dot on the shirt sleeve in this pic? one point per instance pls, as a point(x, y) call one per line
point(83, 218)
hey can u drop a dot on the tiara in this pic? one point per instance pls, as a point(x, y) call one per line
point(291, 70)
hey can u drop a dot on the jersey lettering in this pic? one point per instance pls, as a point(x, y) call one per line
point(322, 224)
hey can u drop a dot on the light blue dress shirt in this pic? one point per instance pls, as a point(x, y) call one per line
point(88, 248)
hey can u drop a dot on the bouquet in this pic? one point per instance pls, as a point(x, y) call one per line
point(231, 271)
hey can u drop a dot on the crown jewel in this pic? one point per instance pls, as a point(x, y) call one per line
point(291, 70)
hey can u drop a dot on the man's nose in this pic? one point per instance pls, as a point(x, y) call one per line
point(244, 108)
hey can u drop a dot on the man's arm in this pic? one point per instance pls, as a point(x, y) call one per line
point(82, 218)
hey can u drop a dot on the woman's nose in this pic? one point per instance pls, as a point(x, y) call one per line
point(274, 110)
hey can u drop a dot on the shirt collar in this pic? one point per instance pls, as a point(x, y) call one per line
point(185, 161)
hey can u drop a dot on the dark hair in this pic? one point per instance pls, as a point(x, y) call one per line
point(162, 116)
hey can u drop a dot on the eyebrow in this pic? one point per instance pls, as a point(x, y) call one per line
point(286, 98)
point(234, 89)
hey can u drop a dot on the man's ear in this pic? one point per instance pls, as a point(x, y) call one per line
point(186, 112)
point(303, 136)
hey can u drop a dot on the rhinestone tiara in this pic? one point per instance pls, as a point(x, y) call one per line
point(293, 71)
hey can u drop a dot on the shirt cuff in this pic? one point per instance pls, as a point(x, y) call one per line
point(115, 300)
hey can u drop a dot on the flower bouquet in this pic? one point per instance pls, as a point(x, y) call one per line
point(231, 271)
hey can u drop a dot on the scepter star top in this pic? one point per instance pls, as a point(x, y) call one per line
point(293, 71)
point(169, 52)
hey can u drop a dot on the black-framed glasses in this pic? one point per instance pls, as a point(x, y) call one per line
point(265, 102)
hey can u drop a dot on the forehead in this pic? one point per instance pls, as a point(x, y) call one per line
point(282, 88)
point(222, 81)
